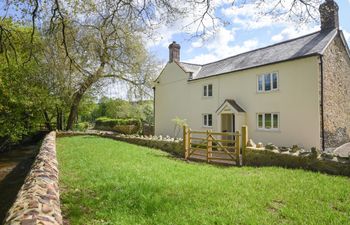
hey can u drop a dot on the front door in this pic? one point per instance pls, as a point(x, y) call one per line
point(228, 124)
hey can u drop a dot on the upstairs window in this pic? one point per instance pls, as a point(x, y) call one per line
point(268, 82)
point(208, 90)
point(268, 121)
point(207, 120)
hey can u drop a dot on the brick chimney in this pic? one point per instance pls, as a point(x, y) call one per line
point(329, 15)
point(174, 52)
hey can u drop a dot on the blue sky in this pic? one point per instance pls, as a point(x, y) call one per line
point(247, 30)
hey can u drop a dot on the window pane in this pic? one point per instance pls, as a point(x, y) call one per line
point(260, 121)
point(210, 90)
point(205, 120)
point(275, 120)
point(260, 83)
point(268, 120)
point(210, 120)
point(205, 90)
point(274, 81)
point(267, 82)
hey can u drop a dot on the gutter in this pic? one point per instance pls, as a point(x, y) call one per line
point(322, 105)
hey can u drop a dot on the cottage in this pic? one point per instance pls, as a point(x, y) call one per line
point(295, 92)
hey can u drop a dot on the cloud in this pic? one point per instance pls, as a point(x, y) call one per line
point(246, 17)
point(219, 51)
point(261, 14)
point(291, 31)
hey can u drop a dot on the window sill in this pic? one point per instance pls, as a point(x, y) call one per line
point(268, 130)
point(267, 92)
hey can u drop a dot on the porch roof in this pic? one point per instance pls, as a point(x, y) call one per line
point(232, 103)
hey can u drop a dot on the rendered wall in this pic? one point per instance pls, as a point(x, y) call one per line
point(297, 101)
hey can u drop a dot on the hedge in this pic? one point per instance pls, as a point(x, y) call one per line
point(124, 126)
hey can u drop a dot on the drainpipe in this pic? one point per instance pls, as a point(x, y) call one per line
point(322, 105)
point(154, 107)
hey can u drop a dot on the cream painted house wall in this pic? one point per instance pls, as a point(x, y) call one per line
point(296, 101)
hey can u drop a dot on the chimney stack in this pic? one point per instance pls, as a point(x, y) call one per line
point(329, 15)
point(174, 52)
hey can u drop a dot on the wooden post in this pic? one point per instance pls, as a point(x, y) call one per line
point(237, 146)
point(209, 145)
point(185, 141)
point(244, 143)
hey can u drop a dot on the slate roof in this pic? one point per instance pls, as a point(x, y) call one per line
point(311, 44)
point(233, 103)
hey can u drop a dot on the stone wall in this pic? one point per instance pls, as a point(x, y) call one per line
point(336, 73)
point(309, 160)
point(38, 200)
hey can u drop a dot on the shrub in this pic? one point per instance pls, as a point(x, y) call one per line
point(124, 126)
point(83, 126)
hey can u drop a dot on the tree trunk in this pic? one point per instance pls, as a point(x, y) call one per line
point(77, 96)
point(47, 121)
point(59, 118)
point(73, 114)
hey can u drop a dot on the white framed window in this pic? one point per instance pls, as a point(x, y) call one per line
point(268, 82)
point(268, 121)
point(207, 120)
point(208, 90)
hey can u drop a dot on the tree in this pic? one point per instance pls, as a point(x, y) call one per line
point(103, 39)
point(23, 94)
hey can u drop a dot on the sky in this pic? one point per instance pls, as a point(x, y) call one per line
point(242, 28)
point(247, 30)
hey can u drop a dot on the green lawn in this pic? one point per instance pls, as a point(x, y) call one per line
point(103, 181)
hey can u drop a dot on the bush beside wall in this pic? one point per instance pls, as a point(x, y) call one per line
point(123, 126)
point(38, 201)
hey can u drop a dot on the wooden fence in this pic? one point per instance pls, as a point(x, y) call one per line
point(215, 146)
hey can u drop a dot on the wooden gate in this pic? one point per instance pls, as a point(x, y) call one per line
point(220, 147)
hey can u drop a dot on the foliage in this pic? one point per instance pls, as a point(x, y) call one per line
point(125, 126)
point(118, 108)
point(81, 126)
point(178, 125)
point(110, 182)
point(23, 94)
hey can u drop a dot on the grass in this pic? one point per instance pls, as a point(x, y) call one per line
point(108, 182)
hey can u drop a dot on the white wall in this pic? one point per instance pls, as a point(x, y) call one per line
point(297, 101)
